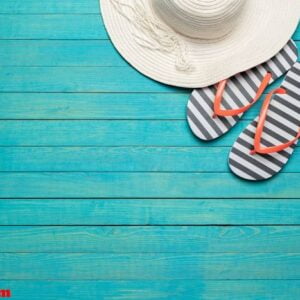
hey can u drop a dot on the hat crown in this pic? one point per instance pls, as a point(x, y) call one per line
point(204, 19)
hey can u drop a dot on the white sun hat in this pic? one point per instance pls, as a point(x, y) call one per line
point(196, 43)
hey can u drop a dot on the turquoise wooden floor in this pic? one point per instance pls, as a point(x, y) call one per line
point(105, 193)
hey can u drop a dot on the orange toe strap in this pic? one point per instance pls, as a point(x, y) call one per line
point(260, 127)
point(233, 112)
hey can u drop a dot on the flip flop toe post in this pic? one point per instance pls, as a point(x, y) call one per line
point(265, 146)
point(213, 111)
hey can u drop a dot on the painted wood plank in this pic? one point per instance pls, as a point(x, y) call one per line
point(122, 159)
point(99, 133)
point(49, 27)
point(78, 79)
point(137, 266)
point(107, 133)
point(149, 211)
point(143, 185)
point(83, 80)
point(150, 239)
point(60, 53)
point(102, 106)
point(296, 35)
point(93, 106)
point(59, 26)
point(49, 7)
point(154, 290)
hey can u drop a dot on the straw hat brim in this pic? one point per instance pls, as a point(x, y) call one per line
point(264, 27)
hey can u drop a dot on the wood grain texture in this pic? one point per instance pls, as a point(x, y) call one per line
point(49, 7)
point(118, 144)
point(78, 79)
point(99, 106)
point(138, 266)
point(59, 53)
point(83, 80)
point(122, 159)
point(143, 185)
point(150, 212)
point(52, 27)
point(100, 133)
point(149, 239)
point(58, 26)
point(154, 290)
point(76, 53)
point(105, 133)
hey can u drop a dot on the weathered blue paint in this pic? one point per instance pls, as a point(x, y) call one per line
point(150, 212)
point(154, 289)
point(103, 187)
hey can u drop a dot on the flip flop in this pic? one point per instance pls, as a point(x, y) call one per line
point(266, 145)
point(213, 111)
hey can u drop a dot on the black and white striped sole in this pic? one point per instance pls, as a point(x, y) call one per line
point(240, 90)
point(282, 125)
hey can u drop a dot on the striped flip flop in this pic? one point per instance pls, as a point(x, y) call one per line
point(266, 145)
point(212, 111)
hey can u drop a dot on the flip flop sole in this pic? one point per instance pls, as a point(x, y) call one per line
point(282, 125)
point(240, 90)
